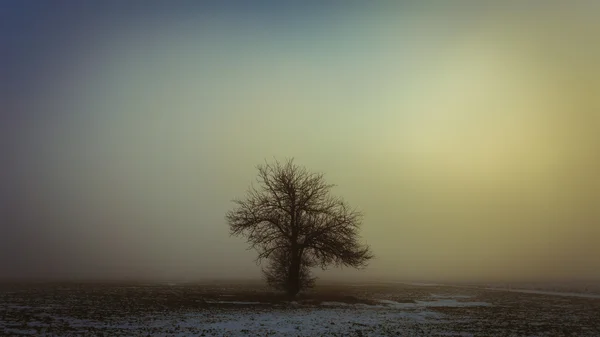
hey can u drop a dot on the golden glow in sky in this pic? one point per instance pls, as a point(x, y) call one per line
point(469, 141)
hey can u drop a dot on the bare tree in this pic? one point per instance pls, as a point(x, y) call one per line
point(292, 220)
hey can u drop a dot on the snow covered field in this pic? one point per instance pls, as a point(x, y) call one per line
point(250, 310)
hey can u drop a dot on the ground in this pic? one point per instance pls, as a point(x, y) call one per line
point(92, 309)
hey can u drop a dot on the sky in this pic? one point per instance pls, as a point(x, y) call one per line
point(467, 134)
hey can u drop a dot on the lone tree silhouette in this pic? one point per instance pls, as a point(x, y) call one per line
point(291, 220)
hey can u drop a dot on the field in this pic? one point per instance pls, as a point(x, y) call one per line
point(221, 309)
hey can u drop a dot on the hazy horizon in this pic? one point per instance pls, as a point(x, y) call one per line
point(467, 134)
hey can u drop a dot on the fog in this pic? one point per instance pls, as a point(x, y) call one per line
point(467, 135)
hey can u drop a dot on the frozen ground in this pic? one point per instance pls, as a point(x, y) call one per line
point(545, 292)
point(250, 310)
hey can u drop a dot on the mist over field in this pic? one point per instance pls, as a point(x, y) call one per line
point(467, 134)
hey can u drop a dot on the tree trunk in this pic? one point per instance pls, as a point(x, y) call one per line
point(294, 271)
point(294, 275)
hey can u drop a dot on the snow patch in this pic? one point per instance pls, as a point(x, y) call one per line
point(452, 303)
point(317, 322)
point(451, 296)
point(337, 304)
point(543, 292)
point(438, 303)
point(233, 302)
